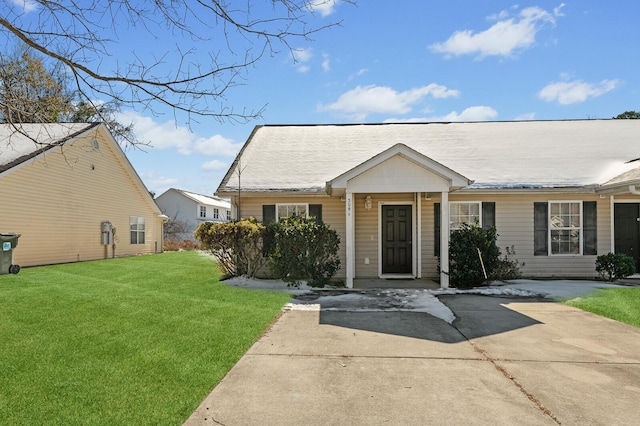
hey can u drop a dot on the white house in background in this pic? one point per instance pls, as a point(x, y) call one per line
point(193, 209)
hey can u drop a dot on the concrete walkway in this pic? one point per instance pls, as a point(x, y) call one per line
point(503, 361)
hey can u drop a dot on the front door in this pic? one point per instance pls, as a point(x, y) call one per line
point(396, 240)
point(626, 222)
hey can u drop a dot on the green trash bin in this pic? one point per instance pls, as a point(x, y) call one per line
point(7, 243)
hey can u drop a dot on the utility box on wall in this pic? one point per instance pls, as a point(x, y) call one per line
point(107, 235)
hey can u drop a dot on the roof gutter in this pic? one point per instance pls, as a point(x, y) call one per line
point(634, 190)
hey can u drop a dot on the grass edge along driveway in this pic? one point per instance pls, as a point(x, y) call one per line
point(620, 304)
point(138, 340)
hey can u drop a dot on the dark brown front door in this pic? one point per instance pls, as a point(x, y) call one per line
point(396, 240)
point(626, 222)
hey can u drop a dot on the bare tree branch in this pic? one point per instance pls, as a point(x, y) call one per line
point(90, 40)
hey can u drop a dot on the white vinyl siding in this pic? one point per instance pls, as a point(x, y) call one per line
point(565, 227)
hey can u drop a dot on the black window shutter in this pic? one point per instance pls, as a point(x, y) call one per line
point(268, 213)
point(590, 227)
point(316, 211)
point(436, 229)
point(540, 229)
point(488, 215)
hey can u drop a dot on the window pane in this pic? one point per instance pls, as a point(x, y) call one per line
point(565, 242)
point(460, 213)
point(287, 210)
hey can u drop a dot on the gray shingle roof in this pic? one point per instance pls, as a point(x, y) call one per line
point(517, 154)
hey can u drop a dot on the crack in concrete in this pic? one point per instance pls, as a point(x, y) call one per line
point(511, 378)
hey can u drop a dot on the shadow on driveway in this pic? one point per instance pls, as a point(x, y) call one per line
point(476, 316)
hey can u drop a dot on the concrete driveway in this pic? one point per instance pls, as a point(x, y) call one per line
point(505, 361)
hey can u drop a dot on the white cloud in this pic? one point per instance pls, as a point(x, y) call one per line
point(323, 7)
point(26, 5)
point(571, 92)
point(504, 38)
point(365, 100)
point(526, 116)
point(167, 135)
point(301, 58)
point(215, 165)
point(155, 180)
point(474, 113)
point(326, 65)
point(557, 11)
point(302, 55)
point(360, 72)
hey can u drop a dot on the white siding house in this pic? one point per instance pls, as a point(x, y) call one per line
point(560, 192)
point(193, 209)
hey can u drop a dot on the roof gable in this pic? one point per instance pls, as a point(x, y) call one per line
point(44, 139)
point(398, 169)
point(31, 140)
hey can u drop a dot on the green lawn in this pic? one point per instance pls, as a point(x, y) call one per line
point(620, 304)
point(139, 340)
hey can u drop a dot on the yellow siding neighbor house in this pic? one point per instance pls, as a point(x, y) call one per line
point(560, 192)
point(72, 195)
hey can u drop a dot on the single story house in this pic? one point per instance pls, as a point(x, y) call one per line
point(193, 209)
point(559, 192)
point(67, 188)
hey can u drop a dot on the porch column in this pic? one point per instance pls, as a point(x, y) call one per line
point(418, 237)
point(444, 240)
point(612, 229)
point(350, 246)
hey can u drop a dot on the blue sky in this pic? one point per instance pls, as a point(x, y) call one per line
point(415, 60)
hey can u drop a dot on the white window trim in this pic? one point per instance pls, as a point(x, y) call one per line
point(200, 208)
point(292, 204)
point(549, 229)
point(216, 213)
point(138, 231)
point(479, 203)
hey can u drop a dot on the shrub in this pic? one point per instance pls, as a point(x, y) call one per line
point(508, 267)
point(613, 266)
point(303, 249)
point(172, 245)
point(465, 268)
point(236, 245)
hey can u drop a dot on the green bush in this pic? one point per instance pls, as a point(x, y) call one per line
point(465, 246)
point(613, 266)
point(303, 249)
point(238, 246)
point(508, 267)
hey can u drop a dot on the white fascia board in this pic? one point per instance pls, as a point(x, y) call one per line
point(456, 180)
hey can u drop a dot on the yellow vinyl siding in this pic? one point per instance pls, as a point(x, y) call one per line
point(57, 203)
